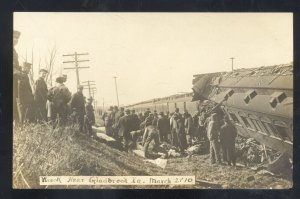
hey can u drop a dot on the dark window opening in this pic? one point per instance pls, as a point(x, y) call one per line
point(278, 131)
point(234, 118)
point(246, 122)
point(282, 131)
point(259, 127)
point(267, 127)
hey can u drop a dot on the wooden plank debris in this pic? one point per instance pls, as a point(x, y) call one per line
point(162, 163)
point(100, 132)
point(105, 137)
point(139, 153)
point(101, 129)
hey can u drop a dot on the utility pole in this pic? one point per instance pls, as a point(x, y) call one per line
point(232, 58)
point(103, 104)
point(89, 84)
point(116, 90)
point(76, 60)
point(93, 91)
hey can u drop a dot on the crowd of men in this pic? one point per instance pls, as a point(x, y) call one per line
point(55, 105)
point(178, 130)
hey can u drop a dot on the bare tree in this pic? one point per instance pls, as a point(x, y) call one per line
point(31, 73)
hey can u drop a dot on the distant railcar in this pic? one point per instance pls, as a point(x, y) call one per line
point(168, 104)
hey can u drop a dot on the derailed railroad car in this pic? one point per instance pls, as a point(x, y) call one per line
point(258, 100)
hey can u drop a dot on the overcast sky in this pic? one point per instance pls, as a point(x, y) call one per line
point(154, 54)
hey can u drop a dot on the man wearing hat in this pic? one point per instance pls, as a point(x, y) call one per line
point(174, 127)
point(125, 124)
point(189, 127)
point(213, 132)
point(108, 121)
point(163, 127)
point(77, 106)
point(147, 113)
point(117, 115)
point(151, 134)
point(180, 135)
point(40, 96)
point(228, 134)
point(17, 75)
point(25, 97)
point(89, 118)
point(59, 96)
point(135, 120)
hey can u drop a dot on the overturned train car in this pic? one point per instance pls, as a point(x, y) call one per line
point(259, 101)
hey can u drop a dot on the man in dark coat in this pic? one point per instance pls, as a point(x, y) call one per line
point(77, 107)
point(89, 118)
point(228, 134)
point(135, 121)
point(189, 128)
point(125, 124)
point(58, 97)
point(141, 117)
point(40, 96)
point(181, 136)
point(108, 122)
point(147, 113)
point(163, 127)
point(17, 75)
point(117, 116)
point(25, 96)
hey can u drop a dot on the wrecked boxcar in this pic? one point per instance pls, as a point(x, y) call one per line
point(258, 100)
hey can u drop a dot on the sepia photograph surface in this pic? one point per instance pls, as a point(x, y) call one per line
point(152, 100)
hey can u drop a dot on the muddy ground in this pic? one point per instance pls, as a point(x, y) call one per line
point(101, 159)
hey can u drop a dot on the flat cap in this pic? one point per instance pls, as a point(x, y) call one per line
point(60, 79)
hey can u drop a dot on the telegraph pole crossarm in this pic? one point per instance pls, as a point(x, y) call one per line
point(79, 67)
point(77, 54)
point(76, 60)
point(89, 84)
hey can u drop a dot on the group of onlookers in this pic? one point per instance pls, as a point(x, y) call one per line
point(179, 130)
point(37, 103)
